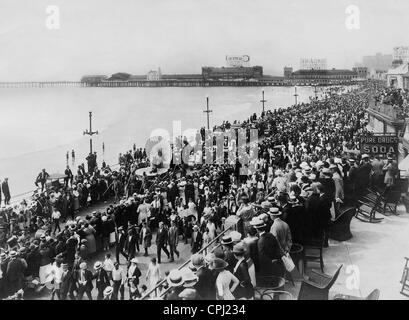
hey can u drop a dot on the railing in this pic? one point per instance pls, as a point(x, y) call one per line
point(203, 251)
point(389, 111)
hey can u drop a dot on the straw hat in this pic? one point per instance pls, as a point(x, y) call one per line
point(175, 278)
point(209, 257)
point(239, 248)
point(235, 236)
point(256, 222)
point(218, 264)
point(189, 278)
point(274, 212)
point(108, 290)
point(197, 260)
point(134, 260)
point(97, 265)
point(226, 240)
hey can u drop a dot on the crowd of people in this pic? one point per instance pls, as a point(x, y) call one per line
point(396, 99)
point(306, 172)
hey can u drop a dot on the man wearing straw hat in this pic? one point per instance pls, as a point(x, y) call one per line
point(269, 252)
point(175, 282)
point(280, 230)
point(102, 279)
point(84, 279)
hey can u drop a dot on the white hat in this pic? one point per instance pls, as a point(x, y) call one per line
point(235, 236)
point(134, 260)
point(108, 290)
point(97, 265)
point(175, 278)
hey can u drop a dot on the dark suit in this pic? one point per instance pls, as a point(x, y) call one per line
point(197, 241)
point(173, 241)
point(230, 259)
point(161, 242)
point(269, 250)
point(66, 283)
point(15, 274)
point(120, 245)
point(6, 192)
point(131, 244)
point(102, 281)
point(323, 216)
point(87, 287)
point(245, 288)
point(206, 285)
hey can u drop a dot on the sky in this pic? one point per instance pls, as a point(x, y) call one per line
point(181, 36)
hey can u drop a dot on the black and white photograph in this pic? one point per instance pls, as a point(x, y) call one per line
point(215, 151)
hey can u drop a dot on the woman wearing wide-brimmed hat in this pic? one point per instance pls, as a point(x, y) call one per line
point(226, 282)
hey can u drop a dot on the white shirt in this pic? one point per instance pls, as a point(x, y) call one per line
point(118, 274)
point(108, 265)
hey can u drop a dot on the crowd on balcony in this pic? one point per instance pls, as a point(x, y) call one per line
point(396, 100)
point(303, 177)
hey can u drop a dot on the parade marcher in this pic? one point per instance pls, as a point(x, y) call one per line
point(84, 279)
point(118, 279)
point(133, 279)
point(145, 237)
point(120, 244)
point(162, 241)
point(173, 239)
point(153, 274)
point(102, 279)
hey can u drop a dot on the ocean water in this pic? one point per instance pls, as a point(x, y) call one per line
point(38, 126)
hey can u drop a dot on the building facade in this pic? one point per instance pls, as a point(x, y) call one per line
point(239, 73)
point(362, 72)
point(398, 77)
point(325, 76)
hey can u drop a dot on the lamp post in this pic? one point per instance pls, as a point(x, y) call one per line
point(90, 132)
point(315, 91)
point(207, 111)
point(263, 100)
point(295, 95)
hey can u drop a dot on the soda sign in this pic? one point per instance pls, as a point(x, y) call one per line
point(379, 145)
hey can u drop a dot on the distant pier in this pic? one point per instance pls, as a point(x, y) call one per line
point(170, 83)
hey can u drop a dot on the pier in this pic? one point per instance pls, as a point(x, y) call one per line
point(169, 83)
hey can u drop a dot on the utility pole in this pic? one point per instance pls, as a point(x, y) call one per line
point(90, 132)
point(263, 100)
point(295, 95)
point(207, 111)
